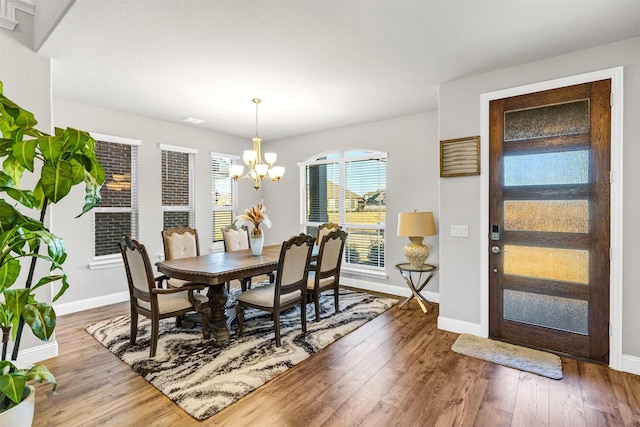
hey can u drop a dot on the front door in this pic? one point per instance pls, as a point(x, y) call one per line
point(549, 192)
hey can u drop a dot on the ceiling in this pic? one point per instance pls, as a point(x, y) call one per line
point(316, 65)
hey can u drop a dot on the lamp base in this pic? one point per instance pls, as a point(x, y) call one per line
point(415, 252)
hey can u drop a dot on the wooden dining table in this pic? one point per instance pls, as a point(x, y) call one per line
point(214, 270)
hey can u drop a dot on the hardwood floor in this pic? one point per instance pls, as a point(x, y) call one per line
point(395, 370)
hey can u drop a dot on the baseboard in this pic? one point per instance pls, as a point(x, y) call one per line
point(630, 364)
point(38, 353)
point(402, 291)
point(459, 326)
point(86, 304)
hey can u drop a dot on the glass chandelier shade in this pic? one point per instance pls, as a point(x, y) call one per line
point(258, 169)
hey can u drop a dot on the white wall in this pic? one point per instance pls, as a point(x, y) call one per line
point(412, 175)
point(96, 284)
point(459, 116)
point(26, 80)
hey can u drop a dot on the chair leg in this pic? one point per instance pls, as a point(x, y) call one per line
point(303, 313)
point(179, 321)
point(316, 301)
point(134, 327)
point(155, 326)
point(272, 277)
point(244, 283)
point(276, 326)
point(240, 317)
point(335, 298)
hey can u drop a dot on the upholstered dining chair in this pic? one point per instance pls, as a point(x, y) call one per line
point(289, 289)
point(148, 297)
point(327, 273)
point(235, 239)
point(180, 242)
point(323, 230)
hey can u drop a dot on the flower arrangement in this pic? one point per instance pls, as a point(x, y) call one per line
point(253, 217)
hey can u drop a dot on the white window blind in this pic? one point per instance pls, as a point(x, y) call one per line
point(348, 188)
point(223, 193)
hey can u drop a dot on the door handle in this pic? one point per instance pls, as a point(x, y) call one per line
point(496, 250)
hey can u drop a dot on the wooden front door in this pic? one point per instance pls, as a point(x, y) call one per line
point(549, 195)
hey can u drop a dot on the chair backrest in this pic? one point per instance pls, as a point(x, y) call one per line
point(180, 242)
point(293, 267)
point(234, 238)
point(138, 268)
point(330, 253)
point(325, 229)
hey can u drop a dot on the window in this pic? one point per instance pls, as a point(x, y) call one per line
point(177, 186)
point(348, 188)
point(117, 212)
point(223, 195)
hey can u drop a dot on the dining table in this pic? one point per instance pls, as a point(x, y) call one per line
point(214, 271)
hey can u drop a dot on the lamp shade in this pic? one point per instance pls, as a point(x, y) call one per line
point(416, 224)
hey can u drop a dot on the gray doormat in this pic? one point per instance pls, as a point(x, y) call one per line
point(513, 356)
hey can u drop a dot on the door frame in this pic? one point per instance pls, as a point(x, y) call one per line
point(616, 232)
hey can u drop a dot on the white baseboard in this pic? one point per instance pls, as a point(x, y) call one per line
point(86, 304)
point(39, 353)
point(402, 291)
point(459, 326)
point(630, 364)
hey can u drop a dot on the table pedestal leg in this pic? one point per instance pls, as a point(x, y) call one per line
point(220, 318)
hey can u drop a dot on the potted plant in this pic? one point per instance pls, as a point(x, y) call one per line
point(57, 162)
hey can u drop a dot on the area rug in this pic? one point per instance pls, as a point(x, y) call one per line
point(204, 376)
point(522, 358)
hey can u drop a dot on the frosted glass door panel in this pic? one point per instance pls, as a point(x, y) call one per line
point(560, 313)
point(567, 265)
point(561, 216)
point(551, 120)
point(566, 167)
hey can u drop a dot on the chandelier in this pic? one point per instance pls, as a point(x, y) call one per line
point(258, 169)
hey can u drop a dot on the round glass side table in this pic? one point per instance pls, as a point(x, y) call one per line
point(417, 278)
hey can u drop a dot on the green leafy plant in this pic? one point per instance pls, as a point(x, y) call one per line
point(57, 162)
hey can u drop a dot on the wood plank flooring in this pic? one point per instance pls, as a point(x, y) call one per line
point(397, 370)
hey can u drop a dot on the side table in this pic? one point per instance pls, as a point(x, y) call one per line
point(422, 276)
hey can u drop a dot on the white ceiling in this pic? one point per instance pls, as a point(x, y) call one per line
point(316, 64)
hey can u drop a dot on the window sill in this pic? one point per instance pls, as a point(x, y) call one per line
point(106, 263)
point(376, 274)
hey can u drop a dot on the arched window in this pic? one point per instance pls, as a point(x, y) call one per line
point(348, 187)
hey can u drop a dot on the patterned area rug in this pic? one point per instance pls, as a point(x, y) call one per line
point(522, 358)
point(204, 376)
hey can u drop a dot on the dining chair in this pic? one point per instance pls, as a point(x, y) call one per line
point(180, 242)
point(289, 289)
point(327, 273)
point(323, 230)
point(235, 239)
point(148, 298)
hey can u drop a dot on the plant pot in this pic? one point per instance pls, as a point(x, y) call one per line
point(21, 415)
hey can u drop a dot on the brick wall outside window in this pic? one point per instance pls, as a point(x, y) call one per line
point(115, 215)
point(177, 192)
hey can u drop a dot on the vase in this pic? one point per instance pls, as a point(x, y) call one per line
point(256, 240)
point(21, 415)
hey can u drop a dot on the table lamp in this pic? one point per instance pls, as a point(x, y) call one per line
point(416, 225)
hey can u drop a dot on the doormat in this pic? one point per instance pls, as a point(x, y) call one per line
point(513, 356)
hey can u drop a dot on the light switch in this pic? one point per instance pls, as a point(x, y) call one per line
point(460, 230)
